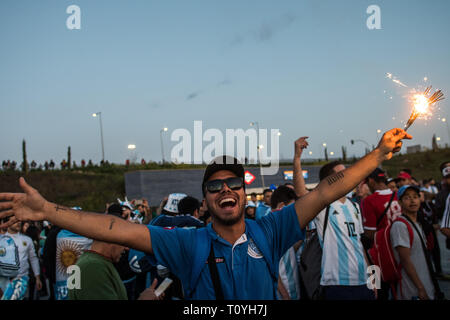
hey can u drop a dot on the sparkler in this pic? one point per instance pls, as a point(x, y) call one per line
point(422, 103)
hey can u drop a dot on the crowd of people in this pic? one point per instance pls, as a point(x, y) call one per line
point(11, 165)
point(290, 243)
point(8, 165)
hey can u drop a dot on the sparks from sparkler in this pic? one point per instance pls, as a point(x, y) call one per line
point(422, 104)
point(395, 80)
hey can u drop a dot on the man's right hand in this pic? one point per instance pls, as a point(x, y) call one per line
point(300, 144)
point(29, 205)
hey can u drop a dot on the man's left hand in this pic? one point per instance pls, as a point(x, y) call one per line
point(391, 142)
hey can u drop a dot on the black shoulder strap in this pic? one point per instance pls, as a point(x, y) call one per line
point(215, 274)
point(386, 210)
point(354, 204)
point(437, 289)
point(325, 223)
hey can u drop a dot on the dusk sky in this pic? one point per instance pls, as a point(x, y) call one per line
point(305, 67)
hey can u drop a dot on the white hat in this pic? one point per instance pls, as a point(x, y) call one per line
point(446, 171)
point(250, 204)
point(125, 203)
point(172, 202)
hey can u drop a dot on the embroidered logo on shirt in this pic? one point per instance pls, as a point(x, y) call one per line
point(218, 260)
point(253, 250)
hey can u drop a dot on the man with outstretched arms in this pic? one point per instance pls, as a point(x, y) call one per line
point(242, 271)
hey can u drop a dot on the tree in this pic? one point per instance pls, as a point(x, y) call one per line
point(24, 155)
point(69, 158)
point(326, 154)
point(344, 154)
point(434, 144)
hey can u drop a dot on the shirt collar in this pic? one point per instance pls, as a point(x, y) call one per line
point(384, 192)
point(214, 236)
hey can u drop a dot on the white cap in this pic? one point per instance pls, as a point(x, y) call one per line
point(172, 202)
point(250, 204)
point(446, 171)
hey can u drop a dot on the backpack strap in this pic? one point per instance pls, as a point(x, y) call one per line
point(410, 231)
point(203, 245)
point(325, 222)
point(212, 266)
point(354, 204)
point(380, 218)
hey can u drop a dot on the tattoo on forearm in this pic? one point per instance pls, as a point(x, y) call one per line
point(334, 178)
point(59, 208)
point(111, 225)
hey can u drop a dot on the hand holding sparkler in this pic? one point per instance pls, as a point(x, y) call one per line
point(422, 103)
point(391, 142)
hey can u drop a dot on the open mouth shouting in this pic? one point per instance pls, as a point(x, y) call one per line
point(227, 202)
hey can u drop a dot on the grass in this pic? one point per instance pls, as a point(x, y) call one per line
point(89, 191)
point(424, 165)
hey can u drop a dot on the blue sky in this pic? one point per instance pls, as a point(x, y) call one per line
point(305, 67)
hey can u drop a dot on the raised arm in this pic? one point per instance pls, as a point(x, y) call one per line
point(30, 205)
point(299, 181)
point(339, 184)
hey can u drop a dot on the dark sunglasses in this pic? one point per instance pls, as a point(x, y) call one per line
point(215, 186)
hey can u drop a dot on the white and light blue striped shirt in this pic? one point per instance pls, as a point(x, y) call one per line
point(445, 223)
point(343, 260)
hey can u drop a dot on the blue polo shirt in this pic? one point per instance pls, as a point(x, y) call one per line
point(242, 269)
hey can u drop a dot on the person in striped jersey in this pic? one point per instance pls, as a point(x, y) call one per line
point(289, 276)
point(288, 280)
point(344, 263)
point(445, 223)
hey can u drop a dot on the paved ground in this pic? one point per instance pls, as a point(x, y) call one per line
point(445, 261)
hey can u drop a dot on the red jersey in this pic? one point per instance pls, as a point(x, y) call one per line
point(373, 206)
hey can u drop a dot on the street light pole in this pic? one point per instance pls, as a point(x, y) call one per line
point(448, 129)
point(99, 114)
point(162, 145)
point(132, 148)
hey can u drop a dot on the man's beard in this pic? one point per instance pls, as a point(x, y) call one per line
point(227, 222)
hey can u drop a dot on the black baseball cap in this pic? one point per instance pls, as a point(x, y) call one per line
point(223, 163)
point(377, 173)
point(115, 210)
